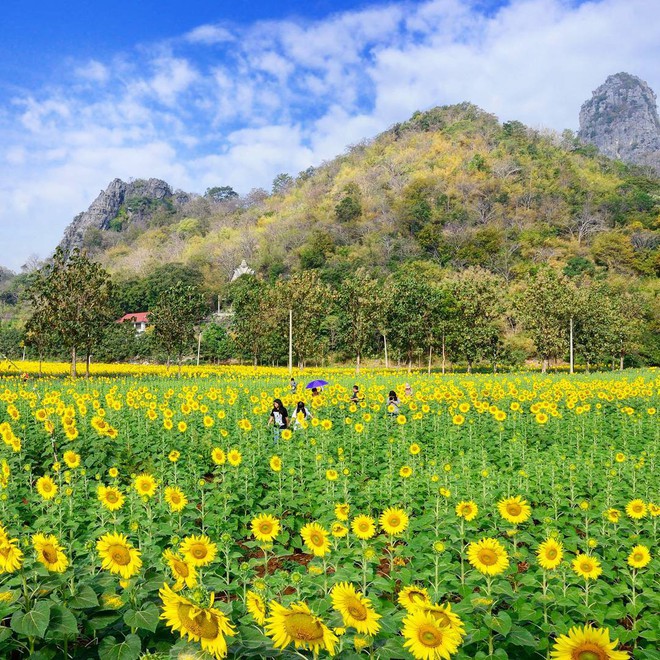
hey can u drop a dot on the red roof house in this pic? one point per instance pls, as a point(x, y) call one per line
point(140, 320)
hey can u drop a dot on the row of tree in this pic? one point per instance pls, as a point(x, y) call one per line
point(419, 313)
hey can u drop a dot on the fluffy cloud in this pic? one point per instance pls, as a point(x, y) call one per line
point(232, 105)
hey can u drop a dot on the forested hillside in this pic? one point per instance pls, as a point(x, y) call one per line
point(444, 193)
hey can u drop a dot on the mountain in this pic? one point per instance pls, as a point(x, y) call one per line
point(452, 186)
point(621, 119)
point(118, 205)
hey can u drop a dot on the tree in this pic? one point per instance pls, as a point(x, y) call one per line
point(349, 209)
point(282, 183)
point(479, 297)
point(360, 301)
point(216, 343)
point(594, 324)
point(310, 301)
point(545, 306)
point(174, 317)
point(221, 193)
point(73, 296)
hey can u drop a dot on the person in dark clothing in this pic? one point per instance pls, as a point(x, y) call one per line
point(279, 417)
point(393, 404)
point(355, 397)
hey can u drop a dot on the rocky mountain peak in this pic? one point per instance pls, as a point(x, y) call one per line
point(621, 119)
point(119, 203)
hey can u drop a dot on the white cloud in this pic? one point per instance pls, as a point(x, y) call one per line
point(236, 105)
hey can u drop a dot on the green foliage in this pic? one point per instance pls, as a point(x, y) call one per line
point(221, 193)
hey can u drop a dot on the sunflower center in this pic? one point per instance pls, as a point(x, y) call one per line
point(111, 497)
point(357, 610)
point(363, 527)
point(203, 624)
point(46, 487)
point(49, 553)
point(514, 509)
point(303, 628)
point(589, 652)
point(394, 521)
point(181, 569)
point(487, 556)
point(176, 498)
point(266, 527)
point(586, 566)
point(637, 508)
point(551, 553)
point(316, 539)
point(638, 556)
point(198, 550)
point(120, 554)
point(429, 636)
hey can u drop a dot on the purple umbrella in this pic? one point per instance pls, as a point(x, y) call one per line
point(316, 383)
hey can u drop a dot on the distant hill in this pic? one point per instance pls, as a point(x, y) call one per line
point(621, 119)
point(452, 185)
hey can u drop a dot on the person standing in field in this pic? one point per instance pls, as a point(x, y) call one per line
point(293, 385)
point(393, 404)
point(279, 417)
point(355, 397)
point(301, 414)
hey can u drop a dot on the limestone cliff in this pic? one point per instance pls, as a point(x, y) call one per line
point(120, 203)
point(621, 119)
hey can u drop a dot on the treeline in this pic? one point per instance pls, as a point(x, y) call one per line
point(420, 314)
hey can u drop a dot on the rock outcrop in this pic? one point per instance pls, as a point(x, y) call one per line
point(133, 201)
point(621, 119)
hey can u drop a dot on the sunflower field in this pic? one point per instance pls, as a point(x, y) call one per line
point(510, 516)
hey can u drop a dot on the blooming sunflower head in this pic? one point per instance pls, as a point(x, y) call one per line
point(488, 556)
point(316, 539)
point(586, 566)
point(514, 509)
point(467, 510)
point(256, 606)
point(118, 555)
point(426, 638)
point(393, 521)
point(297, 625)
point(550, 553)
point(587, 643)
point(182, 571)
point(175, 498)
point(145, 485)
point(355, 609)
point(198, 550)
point(639, 557)
point(46, 487)
point(363, 527)
point(636, 509)
point(49, 552)
point(412, 597)
point(265, 528)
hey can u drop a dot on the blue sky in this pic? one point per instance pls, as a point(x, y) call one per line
point(204, 93)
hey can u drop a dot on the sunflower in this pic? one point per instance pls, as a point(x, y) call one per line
point(265, 528)
point(514, 509)
point(205, 625)
point(338, 530)
point(50, 553)
point(342, 510)
point(444, 617)
point(363, 527)
point(182, 571)
point(587, 566)
point(639, 556)
point(414, 449)
point(413, 597)
point(355, 609)
point(256, 607)
point(175, 498)
point(275, 463)
point(613, 515)
point(467, 510)
point(198, 550)
point(405, 472)
point(316, 539)
point(11, 557)
point(488, 556)
point(550, 553)
point(174, 456)
point(654, 509)
point(393, 521)
point(71, 459)
point(331, 475)
point(218, 455)
point(145, 485)
point(636, 509)
point(426, 639)
point(587, 643)
point(299, 625)
point(234, 457)
point(118, 555)
point(46, 487)
point(110, 497)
